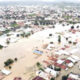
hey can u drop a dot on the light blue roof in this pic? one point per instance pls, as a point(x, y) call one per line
point(38, 52)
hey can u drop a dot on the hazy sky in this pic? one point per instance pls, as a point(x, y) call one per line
point(44, 0)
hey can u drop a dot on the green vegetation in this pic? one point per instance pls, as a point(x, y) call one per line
point(1, 46)
point(71, 22)
point(38, 64)
point(8, 62)
point(59, 39)
point(6, 31)
point(57, 69)
point(8, 35)
point(25, 34)
point(52, 78)
point(14, 24)
point(32, 15)
point(68, 17)
point(41, 69)
point(10, 67)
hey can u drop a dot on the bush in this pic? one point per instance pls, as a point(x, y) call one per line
point(41, 69)
point(1, 46)
point(38, 64)
point(6, 31)
point(10, 67)
point(8, 62)
point(23, 35)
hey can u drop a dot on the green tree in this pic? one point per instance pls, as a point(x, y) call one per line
point(38, 64)
point(57, 69)
point(10, 67)
point(8, 62)
point(52, 78)
point(1, 46)
point(59, 39)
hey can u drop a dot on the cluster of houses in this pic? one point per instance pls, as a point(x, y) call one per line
point(73, 76)
point(13, 18)
point(54, 66)
point(17, 22)
point(68, 47)
point(14, 36)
